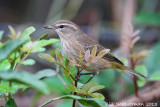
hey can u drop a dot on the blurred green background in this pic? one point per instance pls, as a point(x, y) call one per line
point(103, 20)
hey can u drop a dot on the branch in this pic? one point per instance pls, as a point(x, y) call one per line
point(17, 67)
point(67, 71)
point(146, 95)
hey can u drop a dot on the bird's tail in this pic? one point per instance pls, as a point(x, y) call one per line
point(132, 71)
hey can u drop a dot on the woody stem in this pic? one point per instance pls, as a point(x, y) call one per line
point(67, 71)
point(75, 84)
point(133, 63)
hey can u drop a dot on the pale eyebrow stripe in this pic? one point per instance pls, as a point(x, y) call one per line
point(68, 25)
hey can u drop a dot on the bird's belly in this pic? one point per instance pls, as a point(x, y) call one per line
point(69, 50)
point(72, 52)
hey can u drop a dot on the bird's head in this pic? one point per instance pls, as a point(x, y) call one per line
point(64, 28)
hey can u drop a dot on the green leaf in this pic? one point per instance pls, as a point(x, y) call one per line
point(28, 62)
point(80, 85)
point(27, 32)
point(148, 18)
point(152, 62)
point(110, 74)
point(88, 86)
point(10, 103)
point(39, 50)
point(1, 34)
point(12, 30)
point(14, 35)
point(14, 55)
point(142, 70)
point(125, 61)
point(141, 83)
point(83, 92)
point(103, 52)
point(4, 65)
point(47, 57)
point(42, 43)
point(66, 103)
point(67, 76)
point(45, 73)
point(75, 89)
point(95, 88)
point(10, 46)
point(72, 69)
point(59, 88)
point(32, 47)
point(97, 95)
point(67, 63)
point(94, 51)
point(93, 102)
point(24, 78)
point(44, 37)
point(66, 73)
point(4, 87)
point(59, 55)
point(37, 46)
point(155, 76)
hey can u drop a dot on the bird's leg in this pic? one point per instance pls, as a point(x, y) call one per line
point(86, 74)
point(77, 77)
point(92, 75)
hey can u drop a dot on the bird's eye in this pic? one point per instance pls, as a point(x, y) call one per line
point(61, 26)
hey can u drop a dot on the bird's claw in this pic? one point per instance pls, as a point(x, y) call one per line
point(77, 77)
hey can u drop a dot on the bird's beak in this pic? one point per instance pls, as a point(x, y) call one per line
point(49, 27)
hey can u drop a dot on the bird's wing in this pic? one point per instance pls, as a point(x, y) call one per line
point(91, 43)
point(110, 57)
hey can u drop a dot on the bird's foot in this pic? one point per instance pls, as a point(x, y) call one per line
point(77, 77)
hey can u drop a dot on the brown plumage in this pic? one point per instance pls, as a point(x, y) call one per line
point(74, 40)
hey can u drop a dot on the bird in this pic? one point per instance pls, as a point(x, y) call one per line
point(73, 40)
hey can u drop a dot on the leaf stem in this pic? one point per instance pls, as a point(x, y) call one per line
point(46, 103)
point(82, 68)
point(75, 84)
point(13, 63)
point(67, 71)
point(17, 67)
point(5, 96)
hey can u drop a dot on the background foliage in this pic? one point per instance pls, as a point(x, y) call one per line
point(104, 20)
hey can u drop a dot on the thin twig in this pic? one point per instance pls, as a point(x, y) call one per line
point(67, 71)
point(76, 81)
point(134, 77)
point(17, 67)
point(46, 103)
point(82, 68)
point(75, 84)
point(4, 95)
point(13, 63)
